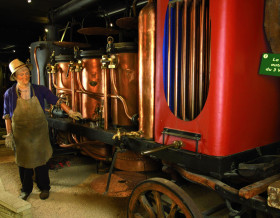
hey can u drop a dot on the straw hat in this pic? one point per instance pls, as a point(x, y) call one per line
point(16, 65)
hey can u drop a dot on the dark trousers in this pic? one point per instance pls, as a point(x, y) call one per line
point(41, 176)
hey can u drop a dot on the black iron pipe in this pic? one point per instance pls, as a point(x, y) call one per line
point(70, 8)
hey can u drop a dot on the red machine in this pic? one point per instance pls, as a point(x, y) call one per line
point(241, 111)
point(192, 94)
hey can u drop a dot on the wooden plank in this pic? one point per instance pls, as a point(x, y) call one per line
point(257, 187)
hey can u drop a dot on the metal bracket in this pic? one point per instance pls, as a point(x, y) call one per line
point(182, 134)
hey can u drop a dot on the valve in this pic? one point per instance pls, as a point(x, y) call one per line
point(110, 45)
point(71, 68)
point(78, 66)
point(119, 134)
point(52, 66)
point(109, 62)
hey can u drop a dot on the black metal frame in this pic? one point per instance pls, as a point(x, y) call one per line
point(202, 164)
point(214, 166)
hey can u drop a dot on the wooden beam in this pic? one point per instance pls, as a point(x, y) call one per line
point(257, 187)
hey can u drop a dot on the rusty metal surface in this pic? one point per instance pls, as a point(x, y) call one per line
point(92, 81)
point(71, 44)
point(272, 24)
point(98, 31)
point(147, 59)
point(158, 197)
point(124, 83)
point(273, 192)
point(131, 161)
point(121, 185)
point(127, 23)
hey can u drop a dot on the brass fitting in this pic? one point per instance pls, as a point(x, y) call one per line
point(51, 68)
point(113, 62)
point(78, 66)
point(109, 62)
point(119, 134)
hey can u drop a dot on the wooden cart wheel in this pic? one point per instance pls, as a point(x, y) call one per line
point(162, 198)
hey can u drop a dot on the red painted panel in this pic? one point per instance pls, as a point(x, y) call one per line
point(242, 110)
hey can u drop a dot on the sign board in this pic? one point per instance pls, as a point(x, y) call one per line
point(270, 64)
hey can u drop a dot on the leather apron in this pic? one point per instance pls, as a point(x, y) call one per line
point(31, 133)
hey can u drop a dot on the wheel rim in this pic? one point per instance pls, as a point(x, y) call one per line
point(159, 197)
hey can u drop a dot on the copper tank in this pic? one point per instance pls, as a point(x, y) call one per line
point(92, 82)
point(63, 80)
point(124, 83)
point(147, 60)
point(132, 161)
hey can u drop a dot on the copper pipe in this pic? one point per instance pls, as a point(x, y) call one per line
point(101, 95)
point(73, 91)
point(95, 156)
point(184, 60)
point(116, 115)
point(201, 58)
point(113, 80)
point(58, 88)
point(147, 60)
point(50, 82)
point(208, 60)
point(37, 66)
point(97, 95)
point(176, 70)
point(75, 138)
point(83, 91)
point(169, 55)
point(104, 72)
point(191, 88)
point(124, 104)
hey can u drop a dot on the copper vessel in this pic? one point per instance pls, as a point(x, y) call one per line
point(63, 79)
point(132, 161)
point(147, 60)
point(124, 83)
point(92, 81)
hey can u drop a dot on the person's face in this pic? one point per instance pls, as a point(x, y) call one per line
point(23, 76)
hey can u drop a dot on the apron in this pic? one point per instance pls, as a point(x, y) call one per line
point(31, 133)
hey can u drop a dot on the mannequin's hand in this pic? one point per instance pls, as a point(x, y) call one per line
point(9, 140)
point(75, 115)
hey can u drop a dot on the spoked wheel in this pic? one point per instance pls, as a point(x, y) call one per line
point(161, 198)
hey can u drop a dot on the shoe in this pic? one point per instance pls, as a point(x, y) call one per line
point(24, 195)
point(44, 194)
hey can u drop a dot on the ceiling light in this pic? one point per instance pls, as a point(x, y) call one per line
point(46, 30)
point(29, 1)
point(14, 51)
point(111, 24)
